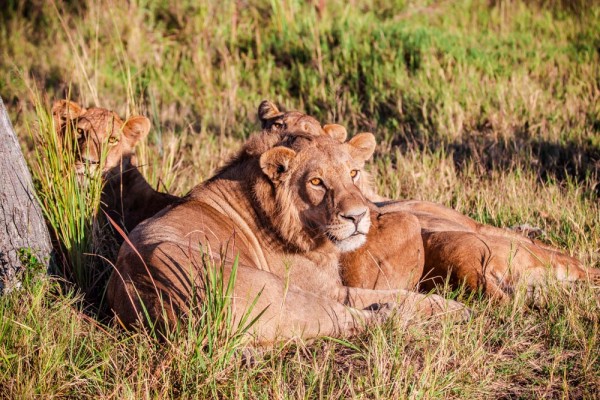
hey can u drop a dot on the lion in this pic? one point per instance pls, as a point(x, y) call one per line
point(393, 256)
point(432, 216)
point(104, 140)
point(285, 214)
point(484, 257)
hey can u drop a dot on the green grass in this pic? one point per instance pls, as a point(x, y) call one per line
point(488, 107)
point(69, 207)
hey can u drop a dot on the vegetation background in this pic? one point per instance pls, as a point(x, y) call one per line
point(490, 107)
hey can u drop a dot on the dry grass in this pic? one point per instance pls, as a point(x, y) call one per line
point(492, 108)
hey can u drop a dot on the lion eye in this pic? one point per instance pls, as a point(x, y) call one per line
point(113, 140)
point(354, 173)
point(80, 133)
point(316, 181)
point(278, 124)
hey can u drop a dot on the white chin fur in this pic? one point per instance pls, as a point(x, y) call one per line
point(352, 243)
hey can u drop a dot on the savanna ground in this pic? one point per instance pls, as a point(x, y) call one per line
point(490, 107)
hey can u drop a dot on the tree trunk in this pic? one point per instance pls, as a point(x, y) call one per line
point(23, 230)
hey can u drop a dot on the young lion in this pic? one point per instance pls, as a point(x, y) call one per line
point(393, 256)
point(126, 197)
point(288, 212)
point(485, 257)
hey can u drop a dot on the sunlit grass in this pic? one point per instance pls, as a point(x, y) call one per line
point(488, 107)
point(70, 207)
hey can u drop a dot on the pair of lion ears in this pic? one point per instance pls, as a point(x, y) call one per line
point(276, 161)
point(268, 110)
point(135, 128)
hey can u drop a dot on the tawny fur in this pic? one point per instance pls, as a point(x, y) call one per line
point(126, 196)
point(486, 258)
point(393, 255)
point(291, 268)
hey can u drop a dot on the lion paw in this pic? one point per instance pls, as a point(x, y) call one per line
point(458, 311)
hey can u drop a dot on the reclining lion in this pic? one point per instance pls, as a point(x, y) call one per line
point(484, 257)
point(126, 196)
point(288, 212)
point(393, 256)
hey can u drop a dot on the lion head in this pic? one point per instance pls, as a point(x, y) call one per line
point(99, 135)
point(312, 192)
point(276, 123)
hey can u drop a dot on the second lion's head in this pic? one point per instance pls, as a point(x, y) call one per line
point(99, 135)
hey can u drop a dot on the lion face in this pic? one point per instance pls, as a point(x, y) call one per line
point(101, 138)
point(314, 180)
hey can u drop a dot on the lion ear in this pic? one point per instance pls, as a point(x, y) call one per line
point(267, 110)
point(362, 146)
point(338, 132)
point(275, 162)
point(136, 129)
point(63, 111)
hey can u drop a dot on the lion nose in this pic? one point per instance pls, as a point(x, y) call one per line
point(354, 215)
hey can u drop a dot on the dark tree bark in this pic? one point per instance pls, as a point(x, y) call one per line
point(22, 226)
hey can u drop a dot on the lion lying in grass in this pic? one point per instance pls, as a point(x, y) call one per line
point(126, 197)
point(289, 206)
point(484, 257)
point(393, 256)
point(129, 199)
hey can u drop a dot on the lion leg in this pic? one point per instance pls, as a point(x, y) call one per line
point(287, 312)
point(493, 264)
point(409, 304)
point(159, 289)
point(392, 257)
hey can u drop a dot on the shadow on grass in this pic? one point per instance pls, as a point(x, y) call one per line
point(551, 160)
point(569, 161)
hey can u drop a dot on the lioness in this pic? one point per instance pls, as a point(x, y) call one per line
point(484, 257)
point(288, 212)
point(126, 196)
